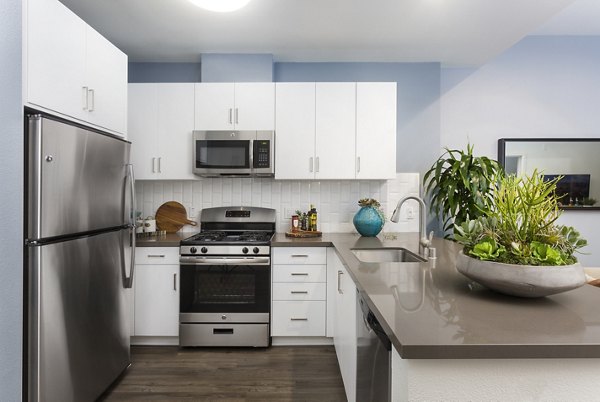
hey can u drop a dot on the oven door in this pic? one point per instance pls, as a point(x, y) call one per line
point(225, 290)
point(218, 153)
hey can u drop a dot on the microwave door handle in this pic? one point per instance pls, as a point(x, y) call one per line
point(251, 160)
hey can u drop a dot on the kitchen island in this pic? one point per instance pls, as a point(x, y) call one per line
point(455, 340)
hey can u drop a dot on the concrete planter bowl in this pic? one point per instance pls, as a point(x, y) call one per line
point(521, 280)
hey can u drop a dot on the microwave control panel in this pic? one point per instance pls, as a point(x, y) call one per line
point(262, 154)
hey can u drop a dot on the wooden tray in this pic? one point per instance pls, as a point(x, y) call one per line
point(303, 234)
point(171, 216)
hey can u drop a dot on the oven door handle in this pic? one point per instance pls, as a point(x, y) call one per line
point(224, 261)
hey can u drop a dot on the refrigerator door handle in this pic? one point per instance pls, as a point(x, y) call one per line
point(129, 282)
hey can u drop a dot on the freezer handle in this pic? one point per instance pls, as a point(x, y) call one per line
point(129, 282)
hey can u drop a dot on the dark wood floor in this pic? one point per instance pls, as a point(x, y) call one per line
point(279, 373)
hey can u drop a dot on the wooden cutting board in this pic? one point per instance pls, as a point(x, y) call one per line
point(171, 216)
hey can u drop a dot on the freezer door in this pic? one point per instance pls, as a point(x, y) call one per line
point(78, 329)
point(77, 179)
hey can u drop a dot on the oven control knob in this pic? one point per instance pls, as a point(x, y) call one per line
point(245, 250)
point(255, 250)
point(193, 250)
point(204, 250)
point(223, 317)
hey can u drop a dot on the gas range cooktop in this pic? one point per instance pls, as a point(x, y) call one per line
point(237, 231)
point(223, 237)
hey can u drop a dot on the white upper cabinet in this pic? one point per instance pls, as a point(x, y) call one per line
point(70, 69)
point(295, 131)
point(161, 121)
point(235, 106)
point(107, 83)
point(375, 130)
point(335, 130)
point(55, 58)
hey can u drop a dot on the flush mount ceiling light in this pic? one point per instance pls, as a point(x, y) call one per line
point(221, 6)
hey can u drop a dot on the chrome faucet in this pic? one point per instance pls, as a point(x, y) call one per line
point(425, 248)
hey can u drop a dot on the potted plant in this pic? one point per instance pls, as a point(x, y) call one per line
point(515, 246)
point(458, 185)
point(369, 219)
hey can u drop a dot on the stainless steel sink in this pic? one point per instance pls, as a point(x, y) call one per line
point(388, 254)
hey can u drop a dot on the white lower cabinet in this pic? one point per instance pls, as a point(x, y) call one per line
point(156, 292)
point(345, 320)
point(299, 294)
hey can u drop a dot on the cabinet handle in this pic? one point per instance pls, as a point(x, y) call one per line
point(310, 164)
point(298, 319)
point(175, 282)
point(230, 116)
point(153, 165)
point(91, 93)
point(156, 256)
point(159, 158)
point(299, 255)
point(340, 291)
point(358, 164)
point(236, 116)
point(84, 97)
point(299, 292)
point(317, 164)
point(299, 273)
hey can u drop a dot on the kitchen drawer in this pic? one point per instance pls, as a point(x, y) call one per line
point(299, 255)
point(156, 255)
point(300, 273)
point(298, 318)
point(299, 291)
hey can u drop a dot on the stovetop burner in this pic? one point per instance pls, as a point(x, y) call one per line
point(228, 237)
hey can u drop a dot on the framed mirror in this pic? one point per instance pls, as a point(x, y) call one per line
point(576, 159)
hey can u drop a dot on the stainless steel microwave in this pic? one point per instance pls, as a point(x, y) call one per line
point(234, 153)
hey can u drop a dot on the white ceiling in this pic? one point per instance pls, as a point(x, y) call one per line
point(454, 32)
point(580, 18)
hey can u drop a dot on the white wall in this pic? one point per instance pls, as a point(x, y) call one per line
point(11, 201)
point(541, 87)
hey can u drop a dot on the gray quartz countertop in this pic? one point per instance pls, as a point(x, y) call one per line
point(430, 311)
point(167, 240)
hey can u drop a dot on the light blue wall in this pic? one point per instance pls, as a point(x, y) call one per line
point(11, 201)
point(418, 130)
point(541, 87)
point(164, 72)
point(218, 67)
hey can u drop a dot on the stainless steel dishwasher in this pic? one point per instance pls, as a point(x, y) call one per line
point(373, 355)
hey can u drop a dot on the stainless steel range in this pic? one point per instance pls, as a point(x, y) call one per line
point(225, 279)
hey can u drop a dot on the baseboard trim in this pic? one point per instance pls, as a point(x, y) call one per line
point(300, 340)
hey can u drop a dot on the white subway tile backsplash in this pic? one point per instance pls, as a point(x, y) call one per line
point(336, 201)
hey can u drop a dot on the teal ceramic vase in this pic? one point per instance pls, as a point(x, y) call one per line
point(368, 222)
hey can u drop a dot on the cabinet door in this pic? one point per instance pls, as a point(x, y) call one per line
point(106, 77)
point(157, 300)
point(214, 106)
point(254, 106)
point(142, 129)
point(55, 58)
point(335, 130)
point(175, 126)
point(345, 331)
point(375, 130)
point(295, 131)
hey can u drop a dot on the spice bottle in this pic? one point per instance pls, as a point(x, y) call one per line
point(295, 223)
point(313, 219)
point(303, 222)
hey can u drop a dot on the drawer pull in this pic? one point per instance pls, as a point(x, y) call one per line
point(299, 292)
point(299, 273)
point(298, 319)
point(156, 256)
point(223, 331)
point(299, 255)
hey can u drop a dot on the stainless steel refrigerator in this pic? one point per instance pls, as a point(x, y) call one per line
point(79, 253)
